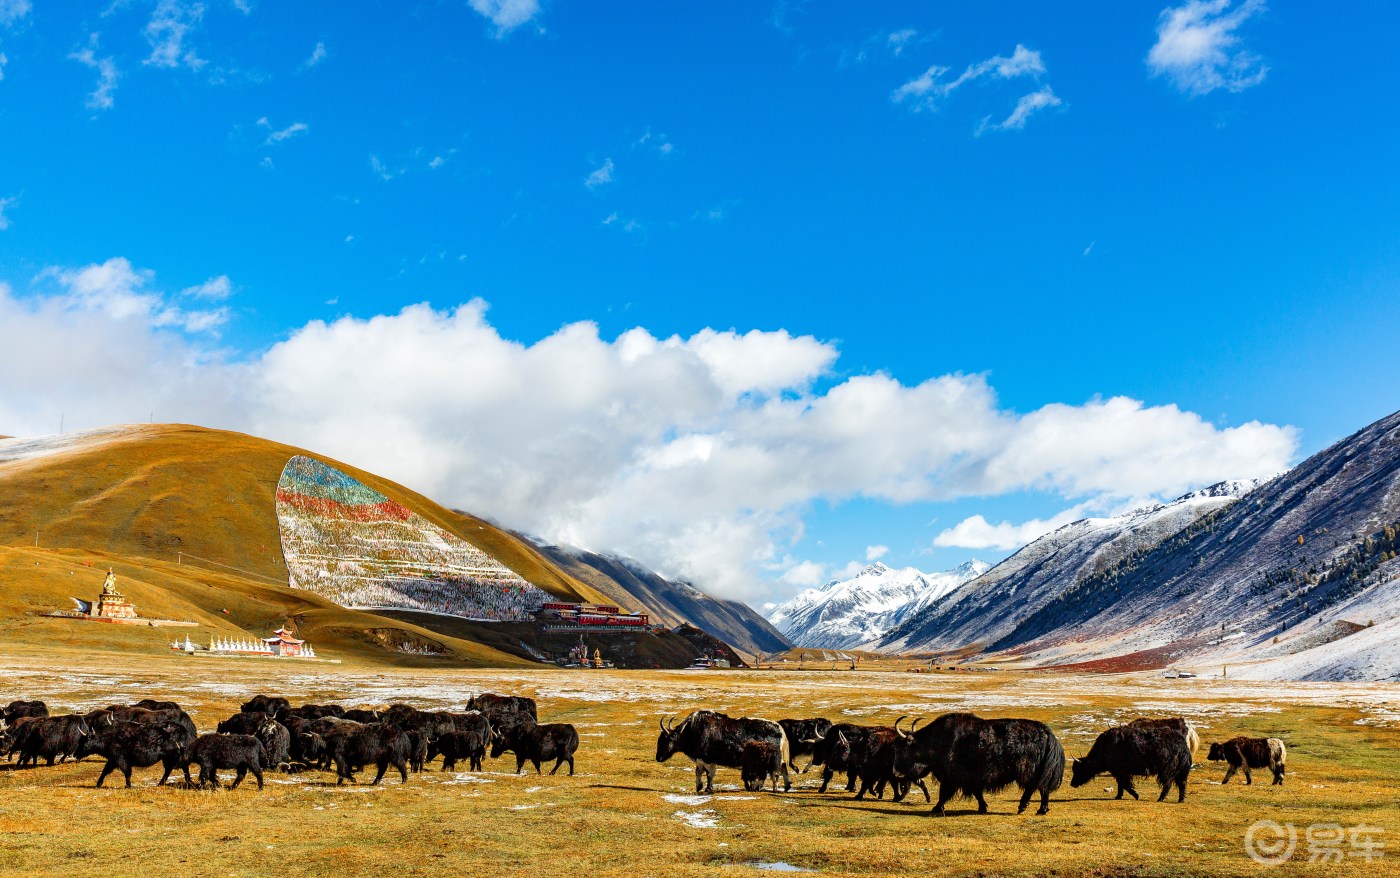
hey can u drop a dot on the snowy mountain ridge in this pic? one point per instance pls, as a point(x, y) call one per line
point(845, 613)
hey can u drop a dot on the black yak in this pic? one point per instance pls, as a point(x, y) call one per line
point(378, 744)
point(534, 743)
point(213, 751)
point(129, 745)
point(49, 738)
point(1130, 751)
point(711, 739)
point(973, 756)
point(1246, 753)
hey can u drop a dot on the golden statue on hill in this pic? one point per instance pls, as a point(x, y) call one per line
point(109, 585)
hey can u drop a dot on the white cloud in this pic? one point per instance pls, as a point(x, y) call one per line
point(280, 134)
point(601, 176)
point(875, 553)
point(506, 15)
point(171, 23)
point(215, 289)
point(804, 574)
point(1199, 50)
point(3, 61)
point(318, 54)
point(699, 455)
point(11, 11)
point(383, 171)
point(122, 293)
point(1025, 107)
point(6, 204)
point(978, 533)
point(100, 98)
point(896, 41)
point(929, 90)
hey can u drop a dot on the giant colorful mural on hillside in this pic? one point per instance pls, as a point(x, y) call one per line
point(351, 544)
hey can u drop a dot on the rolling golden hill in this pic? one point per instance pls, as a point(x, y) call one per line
point(144, 499)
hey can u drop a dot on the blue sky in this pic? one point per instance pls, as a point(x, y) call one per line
point(1196, 209)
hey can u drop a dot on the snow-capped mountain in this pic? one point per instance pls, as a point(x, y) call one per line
point(992, 606)
point(845, 613)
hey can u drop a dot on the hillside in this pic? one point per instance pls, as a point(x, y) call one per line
point(990, 607)
point(188, 519)
point(1302, 551)
point(672, 603)
point(843, 614)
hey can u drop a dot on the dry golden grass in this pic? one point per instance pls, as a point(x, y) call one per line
point(614, 817)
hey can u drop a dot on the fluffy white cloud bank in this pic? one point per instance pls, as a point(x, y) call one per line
point(699, 455)
point(978, 533)
point(1199, 48)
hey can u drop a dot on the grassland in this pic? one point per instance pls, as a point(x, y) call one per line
point(625, 814)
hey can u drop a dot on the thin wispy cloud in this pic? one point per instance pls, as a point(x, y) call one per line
point(506, 15)
point(1027, 106)
point(1200, 50)
point(100, 98)
point(317, 55)
point(277, 135)
point(928, 90)
point(5, 205)
point(601, 176)
point(383, 171)
point(171, 23)
point(896, 41)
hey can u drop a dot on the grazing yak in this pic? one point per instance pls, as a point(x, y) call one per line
point(276, 742)
point(49, 738)
point(802, 734)
point(759, 763)
point(712, 739)
point(469, 741)
point(869, 756)
point(1246, 753)
point(535, 743)
point(378, 744)
point(213, 751)
point(1132, 751)
point(834, 749)
point(974, 756)
point(129, 745)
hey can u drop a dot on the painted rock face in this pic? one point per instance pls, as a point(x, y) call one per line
point(357, 547)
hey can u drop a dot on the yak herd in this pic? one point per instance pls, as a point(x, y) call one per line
point(964, 754)
point(268, 733)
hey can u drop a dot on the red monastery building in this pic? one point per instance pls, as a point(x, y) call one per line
point(283, 643)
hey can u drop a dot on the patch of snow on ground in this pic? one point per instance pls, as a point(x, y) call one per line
point(705, 819)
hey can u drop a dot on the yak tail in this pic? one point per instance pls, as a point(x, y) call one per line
point(1050, 772)
point(573, 739)
point(783, 747)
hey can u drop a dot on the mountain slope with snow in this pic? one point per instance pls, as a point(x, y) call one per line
point(846, 613)
point(994, 604)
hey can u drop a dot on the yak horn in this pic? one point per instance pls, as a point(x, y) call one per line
point(915, 725)
point(902, 734)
